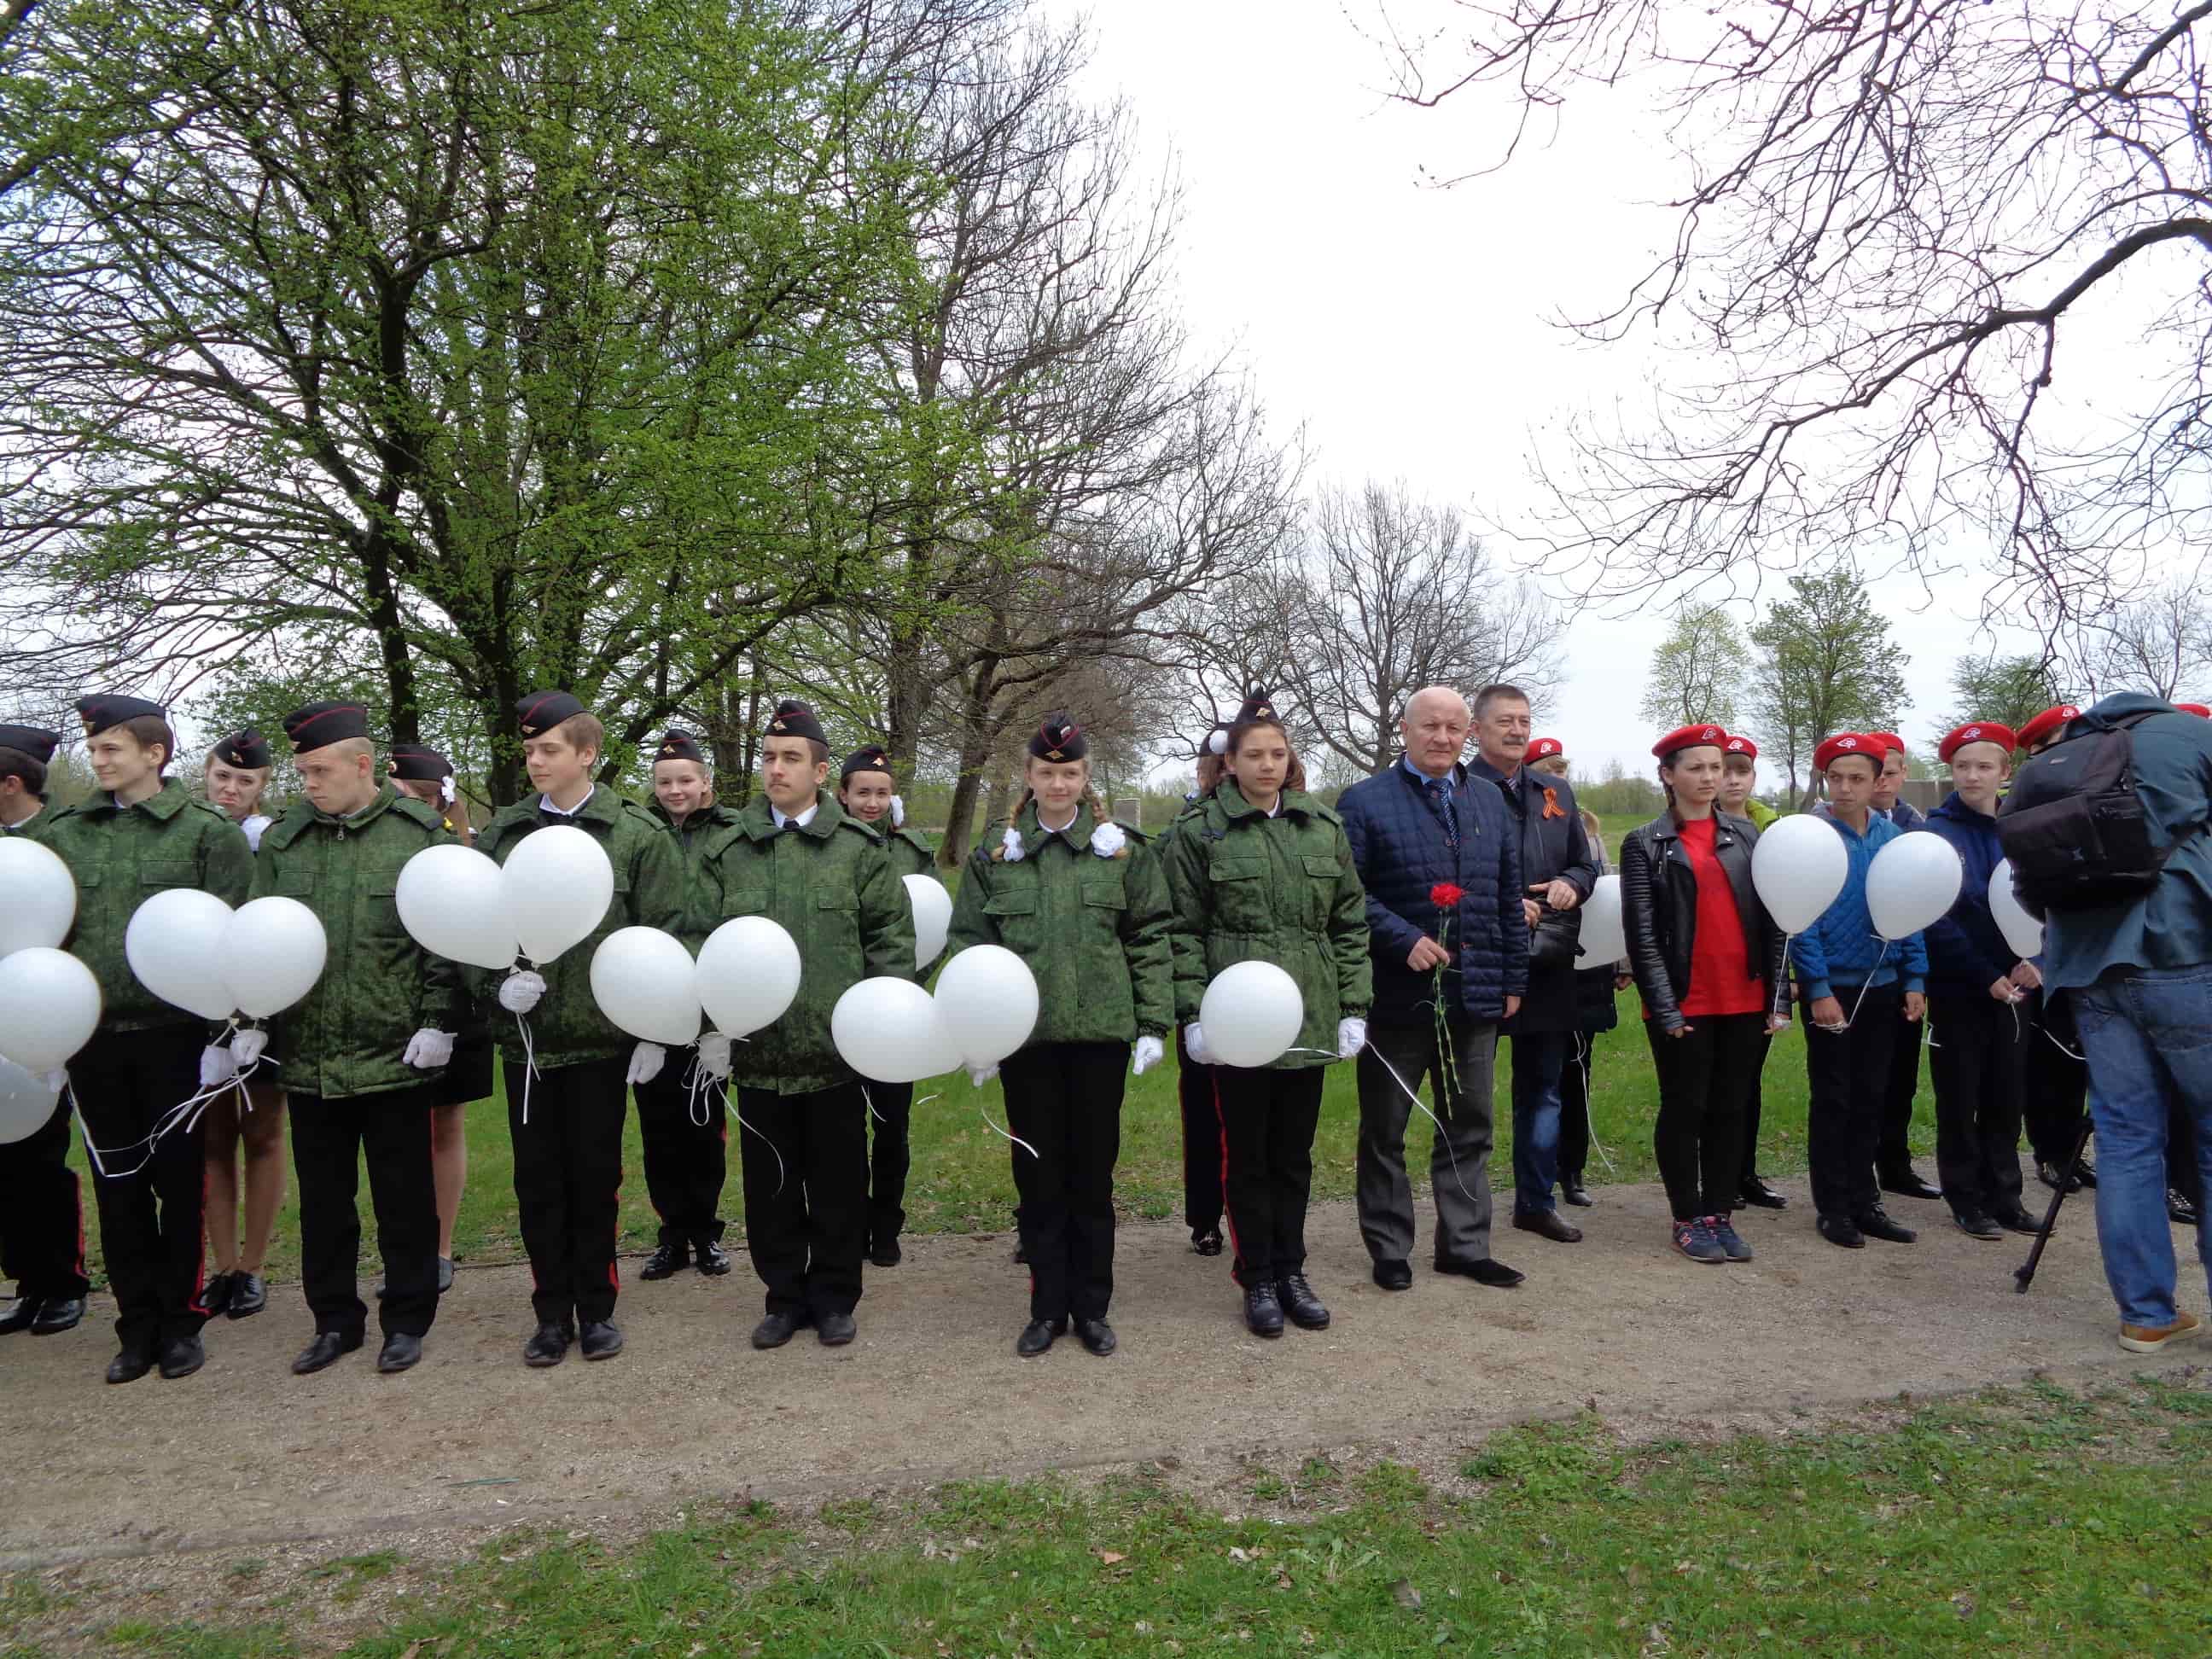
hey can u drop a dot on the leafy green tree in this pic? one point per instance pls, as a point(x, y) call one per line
point(2010, 690)
point(1697, 670)
point(1826, 663)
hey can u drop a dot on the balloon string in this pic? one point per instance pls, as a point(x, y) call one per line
point(1005, 1134)
point(1382, 1060)
point(529, 1065)
point(2062, 1047)
point(83, 1129)
point(1879, 957)
point(1583, 1048)
point(771, 1144)
point(871, 1099)
point(698, 1083)
point(1782, 991)
point(185, 1115)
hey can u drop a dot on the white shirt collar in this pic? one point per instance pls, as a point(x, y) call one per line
point(785, 820)
point(1058, 828)
point(545, 804)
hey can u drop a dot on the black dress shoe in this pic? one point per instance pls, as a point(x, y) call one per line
point(445, 1274)
point(1097, 1336)
point(215, 1295)
point(133, 1362)
point(779, 1328)
point(58, 1313)
point(1207, 1243)
point(1300, 1306)
point(714, 1260)
point(2179, 1209)
point(400, 1353)
point(1975, 1225)
point(2053, 1177)
point(1036, 1337)
point(547, 1345)
point(249, 1295)
point(1496, 1274)
point(324, 1352)
point(1263, 1310)
point(2085, 1173)
point(1571, 1191)
point(599, 1339)
point(835, 1330)
point(1021, 1255)
point(181, 1356)
point(1906, 1183)
point(1758, 1195)
point(1546, 1223)
point(2017, 1220)
point(885, 1252)
point(1875, 1223)
point(664, 1261)
point(1395, 1275)
point(22, 1315)
point(1841, 1230)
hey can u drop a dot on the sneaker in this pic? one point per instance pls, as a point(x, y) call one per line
point(2179, 1209)
point(1725, 1235)
point(2153, 1339)
point(1694, 1239)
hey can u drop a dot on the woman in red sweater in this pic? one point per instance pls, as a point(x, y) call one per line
point(1707, 961)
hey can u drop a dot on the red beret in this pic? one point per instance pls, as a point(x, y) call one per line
point(1976, 731)
point(1865, 745)
point(1741, 746)
point(1888, 740)
point(2200, 710)
point(2045, 724)
point(1544, 749)
point(1689, 737)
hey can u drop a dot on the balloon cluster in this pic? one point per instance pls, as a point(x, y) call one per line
point(192, 950)
point(49, 1001)
point(553, 890)
point(893, 1031)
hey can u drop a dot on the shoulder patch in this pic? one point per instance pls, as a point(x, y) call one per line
point(1133, 833)
point(408, 807)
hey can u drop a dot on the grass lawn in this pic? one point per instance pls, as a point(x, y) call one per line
point(2027, 1522)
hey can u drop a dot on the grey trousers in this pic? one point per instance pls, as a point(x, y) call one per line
point(1459, 1164)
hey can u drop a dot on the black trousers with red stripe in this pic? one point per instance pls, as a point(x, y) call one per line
point(1267, 1123)
point(1065, 1099)
point(686, 1161)
point(567, 1184)
point(151, 1210)
point(1201, 1141)
point(42, 1213)
point(330, 1140)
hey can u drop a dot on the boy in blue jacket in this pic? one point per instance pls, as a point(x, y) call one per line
point(1975, 981)
point(1851, 988)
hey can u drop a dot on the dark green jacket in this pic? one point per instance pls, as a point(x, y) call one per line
point(122, 856)
point(378, 986)
point(1280, 890)
point(1093, 930)
point(831, 886)
point(691, 839)
point(566, 1027)
point(910, 855)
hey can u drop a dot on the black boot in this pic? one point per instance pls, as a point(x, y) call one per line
point(1263, 1310)
point(1300, 1304)
point(713, 1260)
point(665, 1261)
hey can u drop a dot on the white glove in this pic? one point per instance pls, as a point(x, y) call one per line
point(1150, 1051)
point(980, 1075)
point(1351, 1037)
point(217, 1065)
point(714, 1055)
point(247, 1044)
point(1193, 1038)
point(519, 991)
point(427, 1050)
point(646, 1061)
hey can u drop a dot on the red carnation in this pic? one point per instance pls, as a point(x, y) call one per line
point(1446, 896)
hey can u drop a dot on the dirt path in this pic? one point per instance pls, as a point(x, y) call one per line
point(245, 1453)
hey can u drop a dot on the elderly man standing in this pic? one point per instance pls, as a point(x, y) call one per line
point(1421, 829)
point(1558, 870)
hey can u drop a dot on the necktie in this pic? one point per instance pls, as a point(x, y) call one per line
point(1440, 793)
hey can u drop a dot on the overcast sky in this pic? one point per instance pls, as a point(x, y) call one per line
point(1410, 329)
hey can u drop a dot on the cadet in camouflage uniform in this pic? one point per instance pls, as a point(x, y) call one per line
point(1202, 1123)
point(1082, 901)
point(686, 1162)
point(867, 791)
point(361, 1052)
point(141, 834)
point(1266, 873)
point(796, 858)
point(41, 1206)
point(566, 1122)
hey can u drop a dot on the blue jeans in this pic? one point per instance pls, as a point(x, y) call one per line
point(2147, 1034)
point(1539, 1058)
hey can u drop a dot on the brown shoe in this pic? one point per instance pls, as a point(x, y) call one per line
point(2155, 1338)
point(1546, 1224)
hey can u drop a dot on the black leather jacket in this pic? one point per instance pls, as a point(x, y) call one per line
point(1659, 911)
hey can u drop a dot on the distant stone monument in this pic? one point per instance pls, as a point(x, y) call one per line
point(1130, 810)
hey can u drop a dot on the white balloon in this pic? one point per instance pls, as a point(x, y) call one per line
point(1252, 1012)
point(888, 1030)
point(27, 1101)
point(453, 902)
point(38, 895)
point(747, 975)
point(1798, 868)
point(49, 1007)
point(2022, 932)
point(1601, 941)
point(933, 917)
point(643, 981)
point(557, 885)
point(1913, 881)
point(987, 998)
point(273, 952)
point(174, 944)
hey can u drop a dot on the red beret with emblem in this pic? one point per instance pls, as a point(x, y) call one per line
point(1887, 740)
point(2046, 725)
point(1743, 746)
point(1544, 749)
point(1703, 735)
point(1976, 731)
point(1866, 745)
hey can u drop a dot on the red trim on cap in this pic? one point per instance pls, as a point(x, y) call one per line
point(335, 708)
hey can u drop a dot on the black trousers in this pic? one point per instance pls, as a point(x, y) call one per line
point(330, 1139)
point(2056, 1095)
point(889, 1127)
point(1267, 1123)
point(1976, 1065)
point(1065, 1099)
point(1202, 1142)
point(1703, 1076)
point(1893, 1130)
point(567, 1184)
point(150, 1219)
point(805, 1160)
point(42, 1213)
point(1574, 1108)
point(1754, 1103)
point(1850, 1072)
point(686, 1161)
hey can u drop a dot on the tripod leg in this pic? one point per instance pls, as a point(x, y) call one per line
point(2024, 1275)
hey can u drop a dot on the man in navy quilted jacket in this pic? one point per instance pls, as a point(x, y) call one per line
point(1421, 825)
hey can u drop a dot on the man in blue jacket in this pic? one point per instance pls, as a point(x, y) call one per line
point(2139, 972)
point(1424, 824)
point(1857, 993)
point(1976, 984)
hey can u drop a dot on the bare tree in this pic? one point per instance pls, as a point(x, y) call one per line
point(2160, 643)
